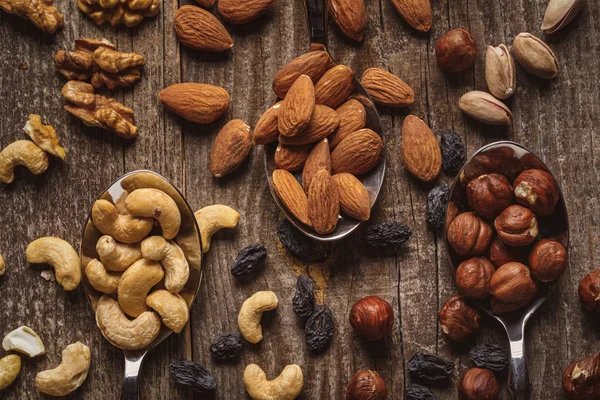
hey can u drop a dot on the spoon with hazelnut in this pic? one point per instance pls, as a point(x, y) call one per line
point(507, 236)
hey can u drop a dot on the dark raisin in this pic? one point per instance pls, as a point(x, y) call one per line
point(319, 328)
point(418, 392)
point(300, 245)
point(490, 356)
point(248, 259)
point(453, 152)
point(189, 373)
point(429, 368)
point(304, 299)
point(226, 347)
point(386, 237)
point(437, 200)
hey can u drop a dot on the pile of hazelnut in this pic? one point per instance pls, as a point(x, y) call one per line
point(501, 254)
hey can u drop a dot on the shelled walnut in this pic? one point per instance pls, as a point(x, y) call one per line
point(99, 61)
point(41, 13)
point(98, 111)
point(115, 12)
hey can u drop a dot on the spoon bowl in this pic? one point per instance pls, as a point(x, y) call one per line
point(510, 159)
point(188, 239)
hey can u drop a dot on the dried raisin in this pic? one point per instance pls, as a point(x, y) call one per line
point(453, 152)
point(386, 237)
point(304, 299)
point(429, 368)
point(319, 328)
point(418, 392)
point(189, 373)
point(490, 356)
point(301, 245)
point(437, 200)
point(226, 347)
point(248, 259)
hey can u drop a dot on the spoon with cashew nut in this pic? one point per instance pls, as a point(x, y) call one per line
point(141, 256)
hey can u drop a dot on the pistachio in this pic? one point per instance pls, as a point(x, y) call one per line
point(500, 72)
point(559, 13)
point(535, 56)
point(485, 108)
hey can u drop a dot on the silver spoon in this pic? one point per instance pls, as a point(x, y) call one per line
point(316, 12)
point(188, 239)
point(510, 158)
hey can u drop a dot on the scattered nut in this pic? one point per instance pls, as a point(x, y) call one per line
point(537, 190)
point(44, 136)
point(469, 235)
point(535, 56)
point(172, 308)
point(25, 341)
point(485, 108)
point(69, 375)
point(122, 332)
point(473, 277)
point(172, 258)
point(60, 255)
point(212, 219)
point(547, 260)
point(478, 384)
point(287, 386)
point(124, 228)
point(366, 385)
point(135, 284)
point(100, 279)
point(456, 50)
point(581, 380)
point(199, 29)
point(512, 283)
point(2, 265)
point(500, 74)
point(117, 256)
point(516, 226)
point(458, 321)
point(559, 13)
point(230, 148)
point(129, 12)
point(372, 318)
point(251, 313)
point(589, 291)
point(10, 366)
point(21, 152)
point(158, 205)
point(489, 195)
point(40, 12)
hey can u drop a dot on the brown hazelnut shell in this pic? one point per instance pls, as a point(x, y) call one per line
point(473, 277)
point(547, 260)
point(456, 50)
point(500, 254)
point(478, 384)
point(537, 190)
point(469, 235)
point(459, 322)
point(512, 283)
point(516, 226)
point(372, 318)
point(589, 291)
point(489, 195)
point(581, 380)
point(366, 385)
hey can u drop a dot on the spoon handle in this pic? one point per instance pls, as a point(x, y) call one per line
point(316, 13)
point(131, 383)
point(519, 385)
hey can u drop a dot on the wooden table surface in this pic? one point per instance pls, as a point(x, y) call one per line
point(557, 119)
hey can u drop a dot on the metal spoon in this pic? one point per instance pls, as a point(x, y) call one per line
point(510, 159)
point(316, 12)
point(188, 239)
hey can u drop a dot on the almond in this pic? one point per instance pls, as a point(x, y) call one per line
point(323, 203)
point(297, 107)
point(313, 64)
point(335, 86)
point(350, 16)
point(318, 159)
point(291, 158)
point(354, 198)
point(243, 11)
point(231, 147)
point(352, 118)
point(416, 13)
point(358, 153)
point(324, 120)
point(196, 102)
point(387, 89)
point(291, 195)
point(198, 29)
point(420, 149)
point(266, 130)
point(206, 3)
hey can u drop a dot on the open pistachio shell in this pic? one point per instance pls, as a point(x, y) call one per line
point(500, 72)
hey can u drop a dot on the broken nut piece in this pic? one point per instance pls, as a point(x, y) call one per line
point(24, 340)
point(44, 136)
point(40, 12)
point(127, 12)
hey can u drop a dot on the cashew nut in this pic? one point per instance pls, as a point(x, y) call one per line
point(123, 332)
point(2, 265)
point(251, 314)
point(69, 374)
point(171, 307)
point(287, 386)
point(172, 258)
point(135, 284)
point(24, 340)
point(143, 179)
point(124, 228)
point(117, 256)
point(212, 219)
point(158, 205)
point(21, 152)
point(10, 366)
point(100, 279)
point(60, 255)
point(44, 136)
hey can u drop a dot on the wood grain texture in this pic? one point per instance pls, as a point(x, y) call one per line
point(556, 119)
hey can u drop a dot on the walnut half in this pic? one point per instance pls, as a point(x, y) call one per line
point(40, 12)
point(115, 12)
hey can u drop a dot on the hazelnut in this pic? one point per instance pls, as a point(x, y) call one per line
point(372, 317)
point(452, 210)
point(473, 277)
point(495, 160)
point(456, 50)
point(547, 260)
point(469, 235)
point(459, 322)
point(500, 254)
point(478, 384)
point(512, 283)
point(589, 291)
point(537, 190)
point(489, 194)
point(516, 226)
point(366, 385)
point(581, 380)
point(499, 307)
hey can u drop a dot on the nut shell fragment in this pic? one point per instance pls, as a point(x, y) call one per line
point(25, 341)
point(44, 136)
